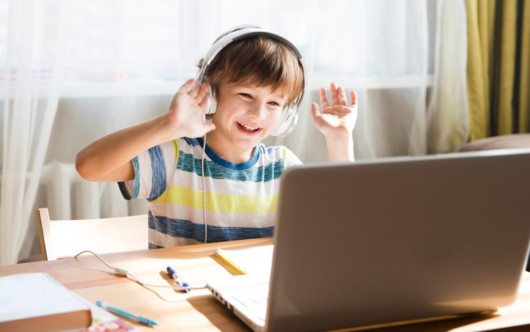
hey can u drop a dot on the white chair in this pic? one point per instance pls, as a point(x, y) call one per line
point(70, 196)
point(66, 238)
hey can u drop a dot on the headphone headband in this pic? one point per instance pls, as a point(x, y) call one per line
point(240, 33)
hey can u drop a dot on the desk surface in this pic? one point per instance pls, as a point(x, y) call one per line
point(198, 310)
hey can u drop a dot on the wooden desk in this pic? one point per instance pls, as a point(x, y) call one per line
point(198, 310)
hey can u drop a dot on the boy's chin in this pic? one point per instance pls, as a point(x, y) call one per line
point(249, 143)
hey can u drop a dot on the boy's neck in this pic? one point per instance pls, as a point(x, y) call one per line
point(228, 151)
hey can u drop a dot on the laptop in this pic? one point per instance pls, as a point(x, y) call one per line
point(392, 240)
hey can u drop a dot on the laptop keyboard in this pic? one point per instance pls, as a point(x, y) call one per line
point(255, 300)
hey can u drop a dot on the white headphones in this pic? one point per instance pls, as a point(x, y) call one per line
point(290, 113)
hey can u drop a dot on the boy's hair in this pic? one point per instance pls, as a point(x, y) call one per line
point(259, 61)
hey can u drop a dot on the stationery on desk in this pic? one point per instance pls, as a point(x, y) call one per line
point(127, 314)
point(254, 260)
point(104, 321)
point(178, 279)
point(37, 302)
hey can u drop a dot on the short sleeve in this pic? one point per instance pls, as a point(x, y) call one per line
point(290, 159)
point(152, 172)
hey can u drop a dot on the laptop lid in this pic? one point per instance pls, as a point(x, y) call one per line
point(399, 239)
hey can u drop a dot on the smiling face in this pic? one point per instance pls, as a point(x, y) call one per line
point(252, 80)
point(245, 116)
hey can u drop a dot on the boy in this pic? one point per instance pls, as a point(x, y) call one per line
point(214, 181)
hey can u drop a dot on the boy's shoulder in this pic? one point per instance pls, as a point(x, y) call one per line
point(271, 149)
point(278, 152)
point(189, 141)
point(187, 144)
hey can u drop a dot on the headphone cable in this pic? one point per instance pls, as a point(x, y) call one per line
point(124, 273)
point(204, 191)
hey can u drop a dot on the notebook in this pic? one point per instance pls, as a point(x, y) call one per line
point(38, 302)
point(392, 240)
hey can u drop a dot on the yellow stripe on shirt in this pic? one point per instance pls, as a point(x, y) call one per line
point(221, 203)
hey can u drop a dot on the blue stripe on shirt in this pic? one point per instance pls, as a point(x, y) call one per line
point(272, 171)
point(237, 167)
point(158, 173)
point(189, 230)
point(193, 141)
point(136, 187)
point(123, 190)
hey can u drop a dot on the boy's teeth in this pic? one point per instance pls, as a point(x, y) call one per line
point(248, 128)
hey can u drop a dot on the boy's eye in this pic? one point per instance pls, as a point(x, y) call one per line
point(245, 95)
point(275, 104)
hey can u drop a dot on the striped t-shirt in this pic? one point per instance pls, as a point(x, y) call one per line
point(238, 201)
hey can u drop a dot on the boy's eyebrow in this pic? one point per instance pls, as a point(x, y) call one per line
point(282, 96)
point(279, 96)
point(276, 93)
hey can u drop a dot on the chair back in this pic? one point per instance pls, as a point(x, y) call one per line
point(66, 238)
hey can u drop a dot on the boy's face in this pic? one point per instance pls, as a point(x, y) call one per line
point(245, 115)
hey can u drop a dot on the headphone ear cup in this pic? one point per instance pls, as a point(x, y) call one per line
point(287, 122)
point(211, 106)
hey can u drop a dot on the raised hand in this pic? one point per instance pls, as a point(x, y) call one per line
point(186, 112)
point(337, 119)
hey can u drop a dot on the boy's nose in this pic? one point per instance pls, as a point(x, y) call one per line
point(257, 110)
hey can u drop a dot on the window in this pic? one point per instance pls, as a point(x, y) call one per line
point(151, 45)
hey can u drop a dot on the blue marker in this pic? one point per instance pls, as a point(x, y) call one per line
point(181, 283)
point(126, 314)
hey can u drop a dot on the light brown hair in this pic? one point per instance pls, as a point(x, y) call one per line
point(259, 61)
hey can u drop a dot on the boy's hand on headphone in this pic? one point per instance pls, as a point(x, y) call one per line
point(337, 119)
point(187, 110)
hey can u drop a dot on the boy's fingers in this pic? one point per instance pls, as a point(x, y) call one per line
point(334, 93)
point(202, 94)
point(353, 98)
point(323, 98)
point(342, 96)
point(189, 83)
point(194, 91)
point(314, 109)
point(315, 114)
point(203, 103)
point(204, 97)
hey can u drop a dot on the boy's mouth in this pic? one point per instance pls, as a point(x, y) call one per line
point(247, 128)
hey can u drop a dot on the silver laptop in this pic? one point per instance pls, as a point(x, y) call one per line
point(391, 240)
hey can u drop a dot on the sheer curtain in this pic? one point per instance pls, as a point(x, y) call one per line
point(93, 67)
point(448, 118)
point(30, 83)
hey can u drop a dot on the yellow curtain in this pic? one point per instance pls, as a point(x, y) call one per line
point(498, 67)
point(524, 106)
point(480, 33)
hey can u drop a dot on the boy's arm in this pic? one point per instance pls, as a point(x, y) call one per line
point(336, 122)
point(109, 158)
